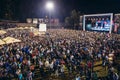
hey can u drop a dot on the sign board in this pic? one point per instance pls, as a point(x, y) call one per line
point(41, 20)
point(29, 20)
point(35, 20)
point(42, 27)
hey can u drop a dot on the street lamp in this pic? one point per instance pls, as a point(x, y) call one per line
point(50, 6)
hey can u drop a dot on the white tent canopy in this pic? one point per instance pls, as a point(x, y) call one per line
point(8, 40)
point(2, 32)
point(2, 42)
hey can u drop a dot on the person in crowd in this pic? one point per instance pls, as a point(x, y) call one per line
point(76, 51)
point(77, 77)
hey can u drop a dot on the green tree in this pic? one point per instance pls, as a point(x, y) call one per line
point(68, 21)
point(73, 20)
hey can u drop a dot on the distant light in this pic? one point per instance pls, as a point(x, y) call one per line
point(50, 5)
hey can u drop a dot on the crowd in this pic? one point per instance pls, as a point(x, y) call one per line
point(57, 51)
point(6, 25)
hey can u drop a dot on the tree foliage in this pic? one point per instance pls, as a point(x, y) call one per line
point(73, 20)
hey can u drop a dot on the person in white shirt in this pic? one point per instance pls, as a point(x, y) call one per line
point(47, 64)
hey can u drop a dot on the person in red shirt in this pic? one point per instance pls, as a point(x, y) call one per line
point(32, 68)
point(89, 64)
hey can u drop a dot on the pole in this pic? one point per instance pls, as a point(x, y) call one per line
point(50, 19)
point(111, 22)
point(84, 23)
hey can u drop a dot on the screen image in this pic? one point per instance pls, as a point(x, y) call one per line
point(98, 22)
point(98, 25)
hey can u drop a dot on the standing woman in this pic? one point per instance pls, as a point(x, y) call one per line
point(20, 76)
point(29, 75)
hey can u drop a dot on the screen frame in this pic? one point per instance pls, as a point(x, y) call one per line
point(92, 15)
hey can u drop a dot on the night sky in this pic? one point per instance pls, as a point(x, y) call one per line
point(21, 9)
